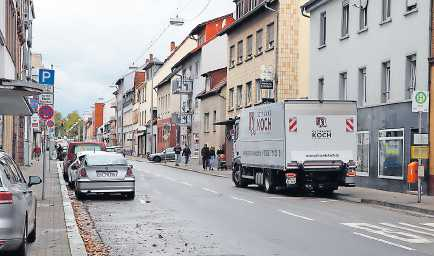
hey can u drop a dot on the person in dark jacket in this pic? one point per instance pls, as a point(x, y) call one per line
point(211, 158)
point(205, 156)
point(186, 152)
point(178, 150)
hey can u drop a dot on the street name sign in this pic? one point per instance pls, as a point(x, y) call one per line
point(420, 101)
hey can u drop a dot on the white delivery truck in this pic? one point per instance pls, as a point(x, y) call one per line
point(307, 145)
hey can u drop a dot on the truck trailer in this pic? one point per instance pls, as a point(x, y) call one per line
point(303, 145)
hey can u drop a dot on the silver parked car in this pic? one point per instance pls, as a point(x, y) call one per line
point(17, 208)
point(104, 172)
point(167, 154)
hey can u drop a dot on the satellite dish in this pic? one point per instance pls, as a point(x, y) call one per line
point(363, 4)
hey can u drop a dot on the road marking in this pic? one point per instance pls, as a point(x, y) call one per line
point(414, 226)
point(390, 233)
point(429, 224)
point(210, 190)
point(327, 201)
point(384, 241)
point(408, 229)
point(243, 200)
point(276, 197)
point(295, 215)
point(186, 183)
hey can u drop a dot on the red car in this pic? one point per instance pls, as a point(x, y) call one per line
point(74, 148)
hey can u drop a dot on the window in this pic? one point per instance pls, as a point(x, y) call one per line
point(363, 19)
point(239, 9)
point(345, 18)
point(232, 56)
point(363, 153)
point(270, 36)
point(343, 90)
point(240, 52)
point(385, 88)
point(323, 29)
point(411, 5)
point(248, 93)
point(258, 92)
point(410, 77)
point(321, 88)
point(362, 97)
point(239, 95)
point(259, 41)
point(214, 120)
point(391, 154)
point(386, 10)
point(249, 52)
point(231, 98)
point(196, 69)
point(206, 122)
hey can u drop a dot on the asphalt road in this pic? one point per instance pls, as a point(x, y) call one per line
point(186, 213)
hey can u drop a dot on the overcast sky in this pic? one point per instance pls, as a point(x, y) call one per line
point(93, 42)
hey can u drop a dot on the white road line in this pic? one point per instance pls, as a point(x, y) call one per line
point(429, 224)
point(186, 183)
point(243, 200)
point(408, 229)
point(295, 215)
point(384, 241)
point(414, 226)
point(142, 201)
point(210, 190)
point(276, 197)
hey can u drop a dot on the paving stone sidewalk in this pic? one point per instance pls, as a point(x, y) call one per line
point(51, 236)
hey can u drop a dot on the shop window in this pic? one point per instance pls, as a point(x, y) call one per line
point(363, 153)
point(391, 154)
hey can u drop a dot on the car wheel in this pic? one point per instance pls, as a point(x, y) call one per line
point(157, 159)
point(130, 195)
point(79, 195)
point(32, 236)
point(237, 179)
point(65, 176)
point(268, 183)
point(22, 250)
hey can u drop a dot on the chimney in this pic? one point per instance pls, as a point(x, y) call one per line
point(172, 46)
point(147, 61)
point(151, 57)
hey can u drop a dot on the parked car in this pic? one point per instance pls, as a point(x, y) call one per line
point(167, 154)
point(72, 173)
point(104, 172)
point(17, 208)
point(116, 149)
point(74, 148)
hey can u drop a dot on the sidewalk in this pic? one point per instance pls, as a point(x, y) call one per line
point(51, 236)
point(389, 199)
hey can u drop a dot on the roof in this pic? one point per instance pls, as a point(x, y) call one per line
point(214, 91)
point(189, 55)
point(309, 5)
point(246, 17)
point(200, 26)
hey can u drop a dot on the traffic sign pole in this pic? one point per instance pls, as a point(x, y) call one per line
point(419, 178)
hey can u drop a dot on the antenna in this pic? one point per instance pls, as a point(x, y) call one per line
point(177, 21)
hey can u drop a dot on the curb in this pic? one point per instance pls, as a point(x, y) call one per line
point(385, 204)
point(76, 244)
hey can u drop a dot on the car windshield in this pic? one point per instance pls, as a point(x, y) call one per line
point(88, 147)
point(114, 159)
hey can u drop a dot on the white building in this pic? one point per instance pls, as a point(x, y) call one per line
point(376, 53)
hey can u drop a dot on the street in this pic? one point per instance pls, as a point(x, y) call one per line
point(186, 213)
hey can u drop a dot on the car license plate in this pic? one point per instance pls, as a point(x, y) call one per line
point(106, 173)
point(291, 181)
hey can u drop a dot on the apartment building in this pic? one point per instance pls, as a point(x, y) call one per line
point(374, 53)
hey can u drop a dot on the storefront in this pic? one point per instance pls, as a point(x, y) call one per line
point(385, 136)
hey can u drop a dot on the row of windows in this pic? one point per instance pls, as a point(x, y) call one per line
point(411, 6)
point(163, 103)
point(206, 122)
point(245, 93)
point(249, 46)
point(245, 6)
point(410, 82)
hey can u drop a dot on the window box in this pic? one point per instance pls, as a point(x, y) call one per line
point(344, 37)
point(385, 21)
point(410, 11)
point(362, 30)
point(322, 46)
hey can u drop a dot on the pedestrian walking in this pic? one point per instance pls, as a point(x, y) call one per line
point(220, 158)
point(205, 156)
point(211, 158)
point(37, 152)
point(186, 152)
point(177, 150)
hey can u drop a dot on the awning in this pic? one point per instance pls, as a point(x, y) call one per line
point(13, 95)
point(230, 121)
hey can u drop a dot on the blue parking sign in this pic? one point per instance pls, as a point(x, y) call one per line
point(46, 77)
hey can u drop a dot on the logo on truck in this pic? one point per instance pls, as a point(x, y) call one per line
point(321, 133)
point(259, 122)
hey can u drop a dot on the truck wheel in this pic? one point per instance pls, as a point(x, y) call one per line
point(236, 177)
point(269, 186)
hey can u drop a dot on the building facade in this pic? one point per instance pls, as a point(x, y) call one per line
point(375, 54)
